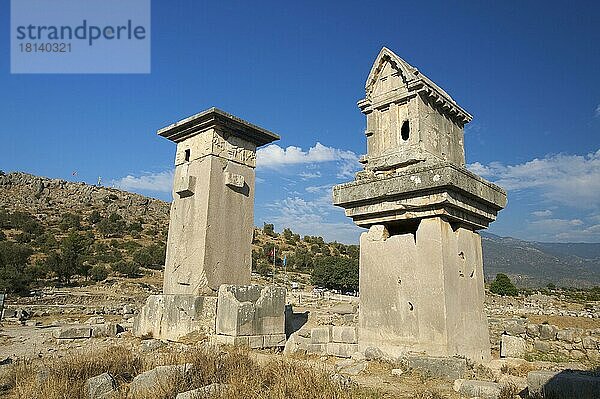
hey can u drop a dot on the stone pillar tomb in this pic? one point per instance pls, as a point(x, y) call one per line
point(421, 266)
point(210, 232)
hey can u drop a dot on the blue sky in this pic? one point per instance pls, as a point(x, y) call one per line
point(527, 71)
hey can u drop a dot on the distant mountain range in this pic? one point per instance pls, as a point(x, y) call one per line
point(534, 264)
point(527, 263)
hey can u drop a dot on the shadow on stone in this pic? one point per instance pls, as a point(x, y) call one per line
point(294, 321)
point(564, 384)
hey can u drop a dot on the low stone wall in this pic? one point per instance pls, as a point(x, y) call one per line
point(340, 341)
point(517, 337)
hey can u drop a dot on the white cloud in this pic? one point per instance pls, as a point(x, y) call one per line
point(348, 169)
point(274, 156)
point(597, 112)
point(310, 175)
point(572, 180)
point(312, 217)
point(157, 182)
point(542, 214)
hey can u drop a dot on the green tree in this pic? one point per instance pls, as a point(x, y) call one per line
point(151, 257)
point(336, 272)
point(14, 272)
point(503, 286)
point(71, 259)
point(2, 236)
point(269, 229)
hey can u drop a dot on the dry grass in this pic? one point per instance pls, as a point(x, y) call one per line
point(245, 378)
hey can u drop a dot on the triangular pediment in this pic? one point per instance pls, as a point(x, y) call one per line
point(389, 73)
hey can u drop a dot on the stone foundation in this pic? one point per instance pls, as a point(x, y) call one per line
point(247, 315)
point(423, 292)
point(172, 317)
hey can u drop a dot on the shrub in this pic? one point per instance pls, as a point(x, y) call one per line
point(94, 217)
point(69, 221)
point(98, 273)
point(2, 236)
point(128, 269)
point(503, 286)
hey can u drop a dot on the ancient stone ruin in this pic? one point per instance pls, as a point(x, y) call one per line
point(208, 265)
point(421, 266)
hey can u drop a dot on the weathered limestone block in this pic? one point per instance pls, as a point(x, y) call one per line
point(250, 310)
point(409, 285)
point(341, 349)
point(316, 349)
point(171, 317)
point(566, 384)
point(444, 367)
point(148, 383)
point(274, 340)
point(512, 346)
point(320, 335)
point(344, 334)
point(548, 332)
point(479, 389)
point(296, 344)
point(204, 392)
point(102, 386)
point(73, 332)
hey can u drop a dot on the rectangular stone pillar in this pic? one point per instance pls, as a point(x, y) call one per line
point(212, 213)
point(211, 223)
point(423, 292)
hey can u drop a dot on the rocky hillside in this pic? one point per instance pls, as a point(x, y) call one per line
point(49, 199)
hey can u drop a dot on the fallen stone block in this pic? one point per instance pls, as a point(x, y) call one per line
point(344, 334)
point(397, 372)
point(512, 346)
point(445, 367)
point(350, 366)
point(73, 332)
point(548, 332)
point(479, 389)
point(343, 308)
point(203, 392)
point(295, 344)
point(150, 381)
point(341, 350)
point(107, 330)
point(102, 386)
point(565, 384)
point(320, 335)
point(373, 353)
